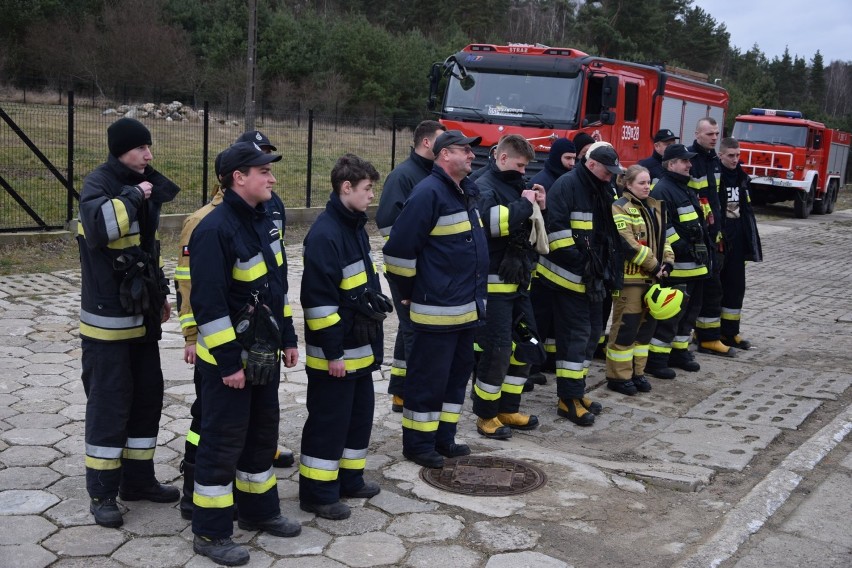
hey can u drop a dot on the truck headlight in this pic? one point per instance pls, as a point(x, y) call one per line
point(789, 175)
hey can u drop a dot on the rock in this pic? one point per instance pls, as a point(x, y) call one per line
point(122, 109)
point(109, 111)
point(131, 113)
point(148, 107)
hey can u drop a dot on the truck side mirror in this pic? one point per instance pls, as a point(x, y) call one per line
point(609, 94)
point(607, 117)
point(817, 141)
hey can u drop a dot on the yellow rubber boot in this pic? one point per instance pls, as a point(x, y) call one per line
point(396, 403)
point(574, 411)
point(715, 348)
point(493, 428)
point(518, 421)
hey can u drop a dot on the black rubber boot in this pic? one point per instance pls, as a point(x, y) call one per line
point(222, 551)
point(658, 366)
point(106, 512)
point(682, 359)
point(186, 505)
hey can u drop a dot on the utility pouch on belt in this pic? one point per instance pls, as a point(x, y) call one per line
point(371, 309)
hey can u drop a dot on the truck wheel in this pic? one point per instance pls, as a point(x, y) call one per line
point(803, 202)
point(834, 188)
point(821, 205)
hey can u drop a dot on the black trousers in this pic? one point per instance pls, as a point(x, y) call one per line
point(674, 333)
point(540, 298)
point(733, 288)
point(336, 436)
point(123, 383)
point(708, 322)
point(402, 343)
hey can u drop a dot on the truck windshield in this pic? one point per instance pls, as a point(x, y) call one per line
point(785, 134)
point(534, 99)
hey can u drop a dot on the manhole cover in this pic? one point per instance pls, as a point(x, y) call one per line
point(485, 476)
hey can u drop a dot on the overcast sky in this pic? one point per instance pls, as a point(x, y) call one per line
point(804, 26)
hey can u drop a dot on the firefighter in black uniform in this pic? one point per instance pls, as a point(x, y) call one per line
point(395, 192)
point(123, 303)
point(344, 310)
point(691, 243)
point(654, 163)
point(438, 254)
point(242, 331)
point(507, 207)
point(583, 266)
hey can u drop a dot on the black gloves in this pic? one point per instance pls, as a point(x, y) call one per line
point(702, 255)
point(258, 333)
point(517, 264)
point(371, 309)
point(261, 364)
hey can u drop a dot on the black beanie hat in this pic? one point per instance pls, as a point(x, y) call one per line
point(126, 134)
point(560, 146)
point(581, 140)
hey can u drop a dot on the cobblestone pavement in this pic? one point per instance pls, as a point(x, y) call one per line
point(682, 476)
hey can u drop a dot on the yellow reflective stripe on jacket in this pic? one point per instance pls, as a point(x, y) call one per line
point(249, 270)
point(122, 243)
point(641, 255)
point(276, 250)
point(497, 286)
point(182, 273)
point(288, 311)
point(443, 315)
point(213, 496)
point(353, 359)
point(401, 266)
point(580, 221)
point(452, 224)
point(688, 269)
point(698, 183)
point(187, 320)
point(354, 275)
point(560, 239)
point(321, 317)
point(686, 213)
point(420, 421)
point(217, 332)
point(116, 219)
point(255, 483)
point(108, 328)
point(193, 437)
point(318, 469)
point(499, 221)
point(353, 459)
point(559, 276)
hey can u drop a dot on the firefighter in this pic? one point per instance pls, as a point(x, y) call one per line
point(654, 163)
point(583, 264)
point(704, 179)
point(742, 241)
point(396, 190)
point(437, 253)
point(560, 160)
point(242, 332)
point(344, 310)
point(690, 239)
point(507, 208)
point(122, 306)
point(183, 287)
point(641, 223)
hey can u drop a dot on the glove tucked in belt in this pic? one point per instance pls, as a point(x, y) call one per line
point(371, 309)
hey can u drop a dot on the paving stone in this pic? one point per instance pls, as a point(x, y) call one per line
point(89, 562)
point(753, 406)
point(784, 550)
point(258, 559)
point(824, 515)
point(51, 346)
point(24, 456)
point(32, 436)
point(361, 521)
point(310, 541)
point(9, 351)
point(425, 527)
point(8, 385)
point(36, 380)
point(517, 559)
point(48, 358)
point(25, 502)
point(799, 382)
point(46, 406)
point(32, 420)
point(77, 428)
point(72, 446)
point(503, 537)
point(75, 412)
point(28, 529)
point(847, 461)
point(370, 549)
point(71, 512)
point(71, 487)
point(455, 556)
point(144, 518)
point(709, 443)
point(396, 504)
point(26, 556)
point(7, 363)
point(38, 477)
point(154, 552)
point(91, 540)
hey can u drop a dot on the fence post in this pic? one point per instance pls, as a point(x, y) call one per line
point(374, 120)
point(393, 142)
point(336, 104)
point(299, 114)
point(204, 151)
point(93, 93)
point(227, 106)
point(310, 156)
point(25, 92)
point(69, 212)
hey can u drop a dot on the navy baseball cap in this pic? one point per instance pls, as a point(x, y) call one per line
point(257, 137)
point(451, 137)
point(607, 157)
point(677, 152)
point(662, 135)
point(242, 154)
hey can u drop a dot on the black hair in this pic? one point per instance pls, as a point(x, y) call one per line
point(427, 128)
point(353, 169)
point(227, 180)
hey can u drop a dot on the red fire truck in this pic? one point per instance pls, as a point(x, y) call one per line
point(792, 158)
point(543, 93)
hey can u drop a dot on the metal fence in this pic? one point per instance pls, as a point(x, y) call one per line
point(73, 139)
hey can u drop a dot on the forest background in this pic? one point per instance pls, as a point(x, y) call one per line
point(363, 57)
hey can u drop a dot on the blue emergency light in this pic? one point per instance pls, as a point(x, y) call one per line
point(773, 112)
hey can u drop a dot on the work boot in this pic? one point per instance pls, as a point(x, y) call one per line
point(454, 450)
point(593, 407)
point(715, 347)
point(737, 342)
point(283, 458)
point(624, 387)
point(682, 359)
point(222, 551)
point(156, 493)
point(186, 505)
point(538, 378)
point(518, 421)
point(396, 403)
point(106, 512)
point(529, 386)
point(431, 459)
point(276, 526)
point(642, 384)
point(493, 428)
point(658, 366)
point(332, 511)
point(369, 489)
point(574, 411)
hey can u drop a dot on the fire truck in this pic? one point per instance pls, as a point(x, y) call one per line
point(544, 93)
point(791, 158)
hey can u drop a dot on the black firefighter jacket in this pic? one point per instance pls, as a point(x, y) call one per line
point(741, 231)
point(397, 189)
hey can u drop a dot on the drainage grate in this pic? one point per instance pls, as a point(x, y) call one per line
point(485, 476)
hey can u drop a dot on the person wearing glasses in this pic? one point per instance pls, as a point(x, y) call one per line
point(437, 255)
